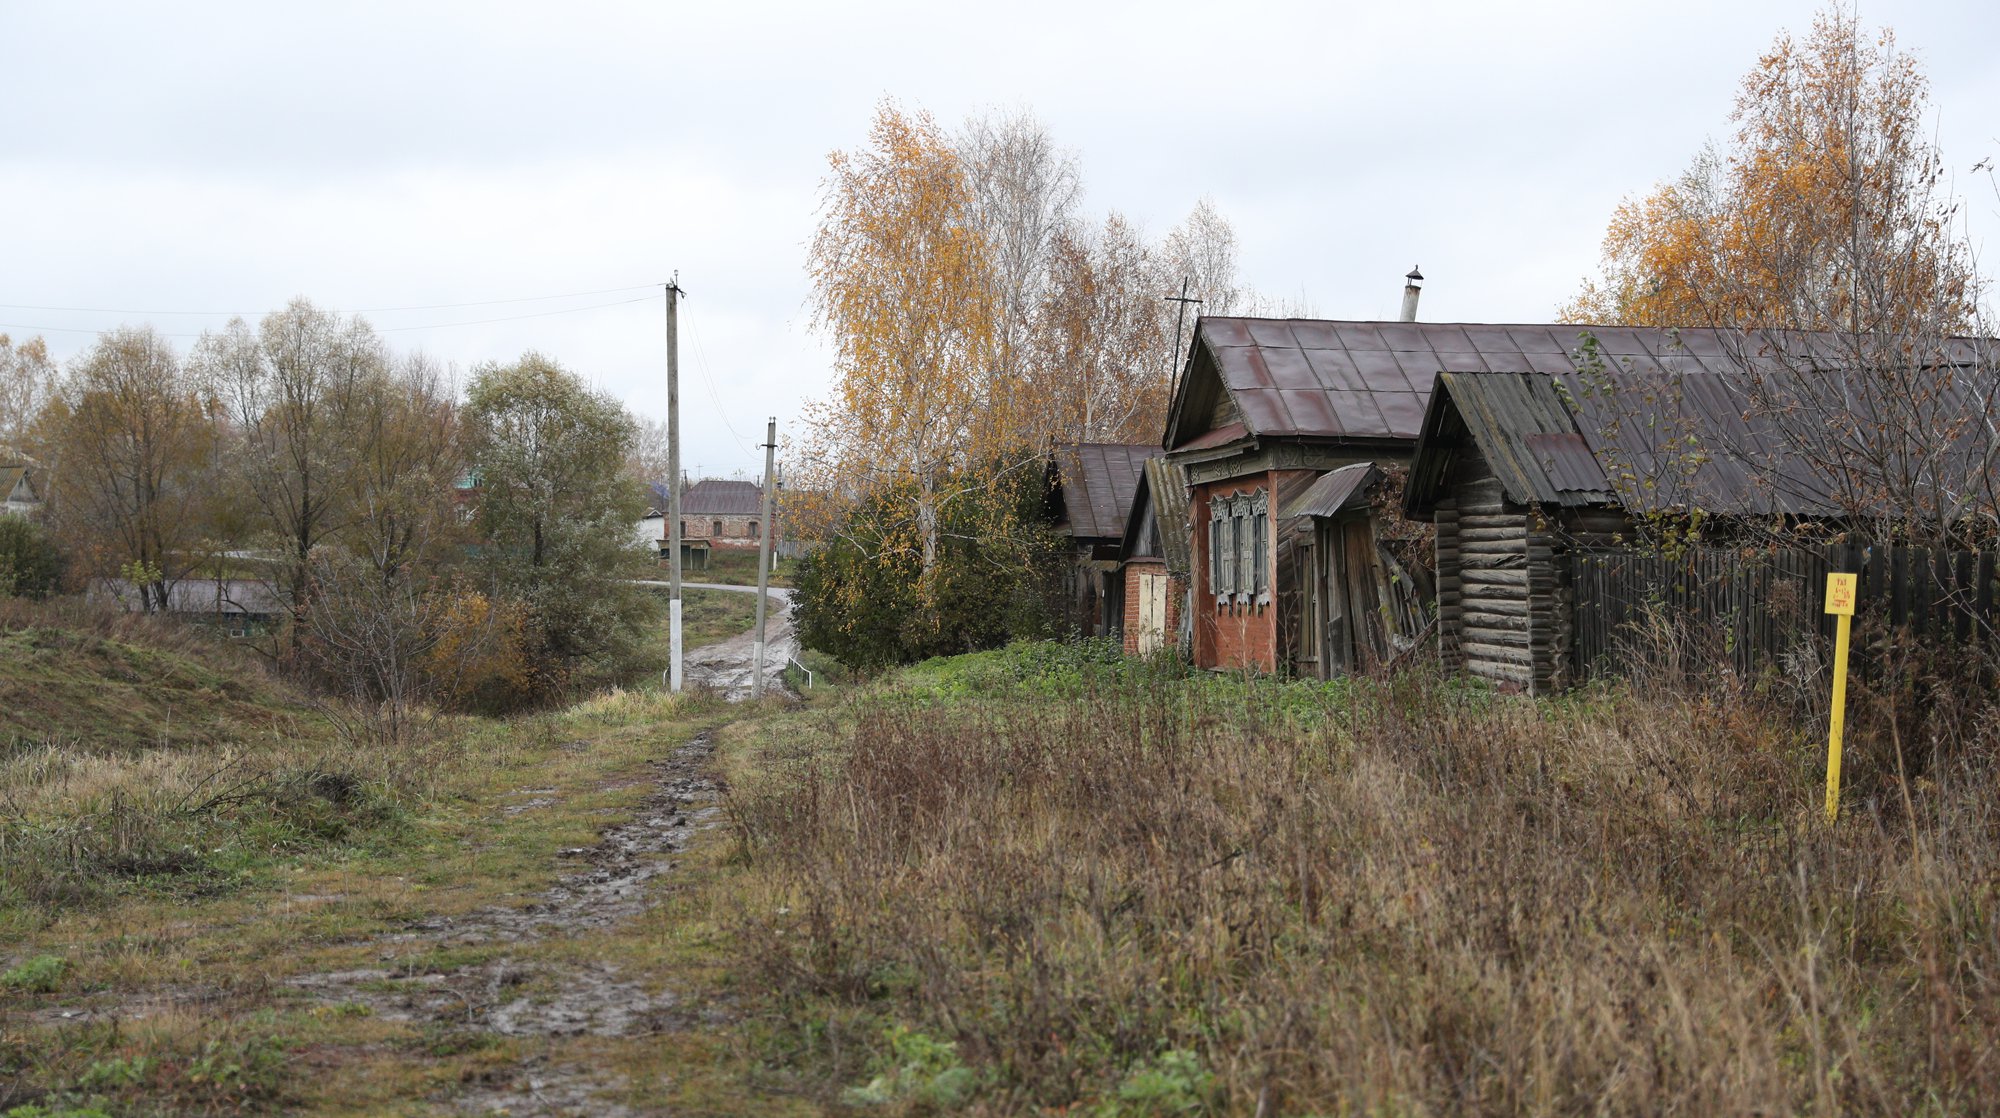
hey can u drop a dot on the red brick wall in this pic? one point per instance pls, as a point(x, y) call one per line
point(1175, 589)
point(1233, 636)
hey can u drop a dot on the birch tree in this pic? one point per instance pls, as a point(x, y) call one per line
point(902, 287)
point(27, 382)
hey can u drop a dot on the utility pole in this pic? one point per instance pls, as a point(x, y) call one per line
point(1180, 320)
point(764, 559)
point(674, 482)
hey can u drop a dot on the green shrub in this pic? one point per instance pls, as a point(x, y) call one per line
point(42, 974)
point(31, 566)
point(864, 597)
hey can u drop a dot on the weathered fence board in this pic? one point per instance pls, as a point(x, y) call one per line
point(1764, 603)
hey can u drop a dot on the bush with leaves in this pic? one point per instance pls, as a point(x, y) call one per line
point(864, 596)
point(31, 565)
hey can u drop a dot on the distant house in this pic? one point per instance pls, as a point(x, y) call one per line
point(1092, 486)
point(725, 515)
point(20, 485)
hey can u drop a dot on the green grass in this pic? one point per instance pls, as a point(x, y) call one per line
point(134, 684)
point(739, 568)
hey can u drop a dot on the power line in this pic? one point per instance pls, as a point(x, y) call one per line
point(721, 412)
point(379, 329)
point(357, 310)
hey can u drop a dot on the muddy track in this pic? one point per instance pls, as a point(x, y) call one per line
point(726, 667)
point(501, 996)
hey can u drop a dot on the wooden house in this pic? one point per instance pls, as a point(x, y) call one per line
point(1092, 485)
point(1534, 477)
point(1263, 409)
point(20, 486)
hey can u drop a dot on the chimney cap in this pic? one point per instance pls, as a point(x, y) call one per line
point(1415, 276)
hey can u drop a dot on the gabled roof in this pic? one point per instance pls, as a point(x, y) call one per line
point(1095, 483)
point(1160, 504)
point(16, 484)
point(1367, 383)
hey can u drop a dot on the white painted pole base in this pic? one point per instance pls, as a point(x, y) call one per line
point(756, 669)
point(674, 643)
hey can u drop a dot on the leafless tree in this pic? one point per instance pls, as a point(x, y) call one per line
point(293, 387)
point(131, 434)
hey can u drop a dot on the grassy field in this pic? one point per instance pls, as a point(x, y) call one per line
point(1043, 880)
point(739, 568)
point(1036, 881)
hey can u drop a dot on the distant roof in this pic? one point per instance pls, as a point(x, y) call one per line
point(1097, 483)
point(716, 497)
point(1335, 492)
point(11, 478)
point(1369, 382)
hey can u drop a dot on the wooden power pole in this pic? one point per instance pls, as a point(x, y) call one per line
point(764, 558)
point(674, 483)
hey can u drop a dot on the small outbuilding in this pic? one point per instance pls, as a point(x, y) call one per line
point(1151, 588)
point(1093, 485)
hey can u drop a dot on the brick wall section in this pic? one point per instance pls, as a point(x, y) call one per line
point(1176, 589)
point(1232, 637)
point(737, 531)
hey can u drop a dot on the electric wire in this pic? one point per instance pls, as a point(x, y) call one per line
point(701, 356)
point(378, 329)
point(356, 310)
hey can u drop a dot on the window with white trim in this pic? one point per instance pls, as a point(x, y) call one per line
point(1239, 528)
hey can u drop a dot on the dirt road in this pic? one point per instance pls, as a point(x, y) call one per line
point(725, 668)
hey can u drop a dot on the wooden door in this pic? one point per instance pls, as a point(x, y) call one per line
point(1152, 613)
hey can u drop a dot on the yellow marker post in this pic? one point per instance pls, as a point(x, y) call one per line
point(1840, 591)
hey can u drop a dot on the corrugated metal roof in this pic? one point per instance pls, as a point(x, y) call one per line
point(1335, 492)
point(1162, 491)
point(1370, 381)
point(228, 597)
point(1568, 462)
point(1645, 442)
point(1097, 481)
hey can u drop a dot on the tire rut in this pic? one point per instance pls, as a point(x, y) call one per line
point(506, 997)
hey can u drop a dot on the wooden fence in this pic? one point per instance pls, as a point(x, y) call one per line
point(1756, 605)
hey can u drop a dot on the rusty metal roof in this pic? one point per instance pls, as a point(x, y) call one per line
point(1096, 482)
point(1335, 492)
point(1369, 382)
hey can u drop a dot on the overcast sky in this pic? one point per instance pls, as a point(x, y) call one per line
point(222, 158)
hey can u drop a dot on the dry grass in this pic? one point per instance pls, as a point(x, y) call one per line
point(1154, 895)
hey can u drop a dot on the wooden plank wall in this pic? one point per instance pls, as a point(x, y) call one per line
point(1756, 607)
